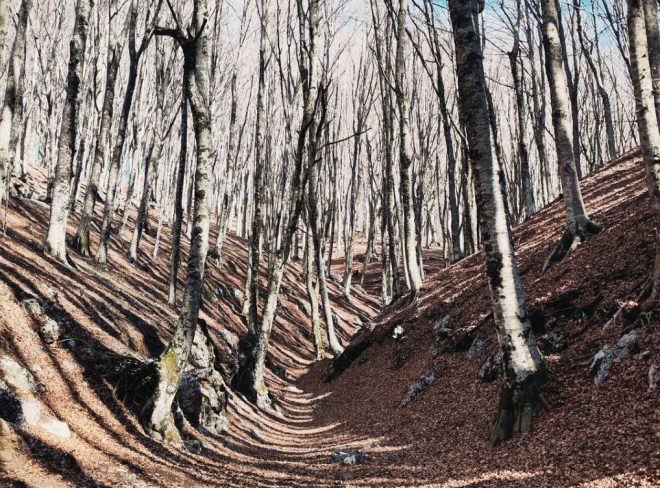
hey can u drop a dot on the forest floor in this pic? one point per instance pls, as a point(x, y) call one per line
point(588, 435)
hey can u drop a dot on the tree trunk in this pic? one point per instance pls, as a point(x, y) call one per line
point(647, 120)
point(522, 359)
point(81, 239)
point(312, 291)
point(171, 363)
point(178, 197)
point(405, 154)
point(653, 40)
point(10, 117)
point(579, 225)
point(55, 244)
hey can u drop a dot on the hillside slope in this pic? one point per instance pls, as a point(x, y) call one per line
point(603, 435)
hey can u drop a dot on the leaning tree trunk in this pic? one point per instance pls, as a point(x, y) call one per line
point(523, 363)
point(405, 154)
point(579, 225)
point(81, 239)
point(55, 244)
point(158, 417)
point(647, 119)
point(10, 117)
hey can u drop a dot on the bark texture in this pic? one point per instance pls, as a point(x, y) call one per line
point(522, 359)
point(59, 210)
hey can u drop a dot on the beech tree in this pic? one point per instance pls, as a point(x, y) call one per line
point(579, 226)
point(157, 414)
point(640, 32)
point(61, 194)
point(523, 364)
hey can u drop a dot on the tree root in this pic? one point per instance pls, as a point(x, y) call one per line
point(517, 407)
point(569, 241)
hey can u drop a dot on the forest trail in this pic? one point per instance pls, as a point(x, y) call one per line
point(439, 440)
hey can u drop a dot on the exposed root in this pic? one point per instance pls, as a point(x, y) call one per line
point(569, 241)
point(516, 410)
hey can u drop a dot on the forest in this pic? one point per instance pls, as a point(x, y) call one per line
point(320, 243)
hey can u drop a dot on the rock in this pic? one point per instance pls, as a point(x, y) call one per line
point(601, 364)
point(18, 377)
point(203, 402)
point(443, 336)
point(228, 444)
point(239, 295)
point(491, 369)
point(630, 311)
point(629, 340)
point(356, 456)
point(653, 378)
point(418, 387)
point(49, 330)
point(477, 346)
point(552, 342)
point(201, 354)
point(57, 428)
point(255, 434)
point(193, 446)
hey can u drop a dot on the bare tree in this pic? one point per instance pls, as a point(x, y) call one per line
point(59, 210)
point(523, 363)
point(647, 119)
point(579, 226)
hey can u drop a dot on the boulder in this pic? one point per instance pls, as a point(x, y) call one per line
point(629, 340)
point(422, 384)
point(203, 402)
point(443, 336)
point(552, 342)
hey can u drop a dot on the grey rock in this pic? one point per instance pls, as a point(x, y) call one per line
point(305, 307)
point(203, 401)
point(629, 340)
point(418, 387)
point(239, 295)
point(552, 342)
point(491, 369)
point(356, 456)
point(477, 346)
point(653, 378)
point(256, 434)
point(443, 336)
point(601, 364)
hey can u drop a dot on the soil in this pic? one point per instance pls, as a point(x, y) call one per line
point(588, 435)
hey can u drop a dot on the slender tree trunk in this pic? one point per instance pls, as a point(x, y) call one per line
point(55, 244)
point(81, 239)
point(174, 358)
point(579, 225)
point(312, 291)
point(647, 120)
point(523, 363)
point(405, 154)
point(10, 117)
point(178, 197)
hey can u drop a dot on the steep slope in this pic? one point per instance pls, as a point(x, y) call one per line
point(603, 435)
point(124, 311)
point(591, 435)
